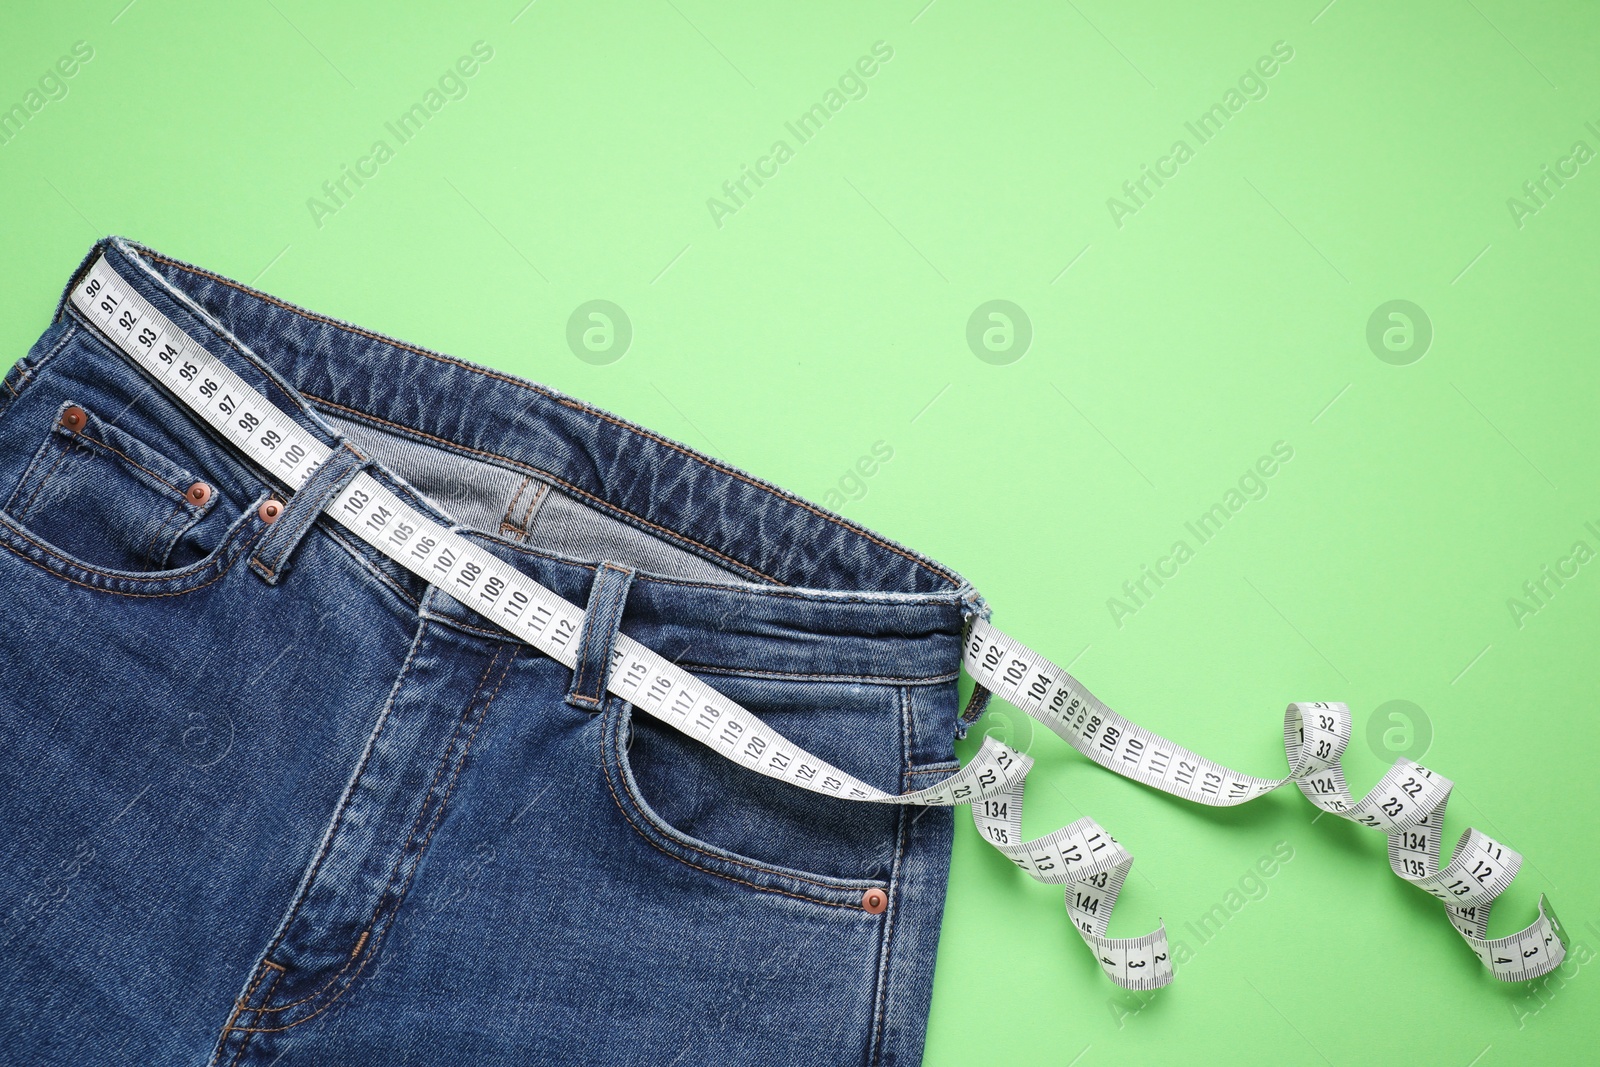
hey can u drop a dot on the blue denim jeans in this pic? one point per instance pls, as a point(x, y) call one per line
point(268, 798)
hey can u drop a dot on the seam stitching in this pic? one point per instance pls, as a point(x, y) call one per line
point(326, 846)
point(385, 903)
point(371, 944)
point(422, 814)
point(22, 364)
point(199, 317)
point(266, 998)
point(220, 562)
point(614, 752)
point(533, 501)
point(596, 629)
point(130, 459)
point(511, 508)
point(524, 466)
point(38, 454)
point(150, 546)
point(27, 505)
point(331, 528)
point(749, 480)
point(801, 676)
point(903, 836)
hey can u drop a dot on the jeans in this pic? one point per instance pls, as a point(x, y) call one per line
point(269, 798)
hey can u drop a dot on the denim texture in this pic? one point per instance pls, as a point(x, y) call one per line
point(268, 798)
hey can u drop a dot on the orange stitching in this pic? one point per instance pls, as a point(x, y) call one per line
point(562, 482)
point(730, 472)
point(150, 545)
point(266, 996)
point(23, 535)
point(130, 459)
point(394, 911)
point(567, 402)
point(116, 592)
point(339, 813)
point(239, 1004)
point(613, 748)
point(377, 909)
point(888, 941)
point(51, 473)
point(347, 327)
point(292, 397)
point(511, 508)
point(538, 495)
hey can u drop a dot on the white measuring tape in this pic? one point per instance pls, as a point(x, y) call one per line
point(1408, 803)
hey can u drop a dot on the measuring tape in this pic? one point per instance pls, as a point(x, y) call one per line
point(1408, 803)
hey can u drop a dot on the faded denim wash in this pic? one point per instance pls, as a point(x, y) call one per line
point(268, 798)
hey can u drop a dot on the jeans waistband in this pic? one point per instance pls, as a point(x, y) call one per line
point(793, 587)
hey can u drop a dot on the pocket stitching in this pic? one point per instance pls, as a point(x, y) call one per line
point(231, 547)
point(38, 454)
point(27, 373)
point(153, 455)
point(113, 448)
point(611, 760)
point(161, 531)
point(51, 473)
point(68, 443)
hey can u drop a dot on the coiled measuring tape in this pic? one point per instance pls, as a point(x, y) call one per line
point(1408, 803)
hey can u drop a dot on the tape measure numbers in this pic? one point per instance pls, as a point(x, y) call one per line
point(1407, 803)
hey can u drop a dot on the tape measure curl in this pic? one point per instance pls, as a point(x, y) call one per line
point(1408, 803)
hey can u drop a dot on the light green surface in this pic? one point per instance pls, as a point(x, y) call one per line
point(828, 315)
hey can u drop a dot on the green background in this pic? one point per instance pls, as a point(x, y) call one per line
point(829, 313)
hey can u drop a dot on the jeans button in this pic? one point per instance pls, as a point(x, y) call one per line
point(874, 902)
point(270, 511)
point(74, 418)
point(198, 493)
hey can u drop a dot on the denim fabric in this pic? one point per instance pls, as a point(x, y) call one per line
point(268, 798)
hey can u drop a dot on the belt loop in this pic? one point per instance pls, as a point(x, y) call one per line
point(973, 607)
point(601, 617)
point(271, 558)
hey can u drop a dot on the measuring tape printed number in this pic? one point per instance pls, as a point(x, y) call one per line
point(1407, 804)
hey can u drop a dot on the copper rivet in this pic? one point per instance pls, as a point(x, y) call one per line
point(875, 901)
point(74, 418)
point(198, 493)
point(270, 511)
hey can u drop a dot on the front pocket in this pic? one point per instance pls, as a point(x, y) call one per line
point(719, 818)
point(102, 496)
point(99, 508)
